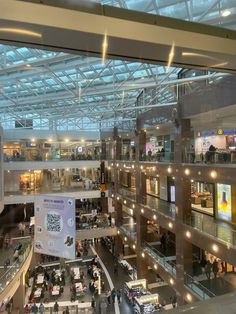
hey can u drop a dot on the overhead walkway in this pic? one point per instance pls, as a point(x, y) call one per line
point(132, 35)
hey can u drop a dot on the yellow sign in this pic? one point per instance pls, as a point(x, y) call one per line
point(102, 187)
point(220, 131)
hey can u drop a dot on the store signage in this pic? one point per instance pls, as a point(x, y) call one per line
point(55, 226)
point(217, 132)
point(224, 207)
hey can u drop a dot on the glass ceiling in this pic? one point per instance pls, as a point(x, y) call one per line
point(67, 92)
point(214, 12)
point(71, 92)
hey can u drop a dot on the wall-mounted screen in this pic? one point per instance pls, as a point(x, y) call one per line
point(224, 207)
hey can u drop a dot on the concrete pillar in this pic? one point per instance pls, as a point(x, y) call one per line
point(182, 140)
point(19, 296)
point(103, 149)
point(118, 150)
point(183, 210)
point(118, 212)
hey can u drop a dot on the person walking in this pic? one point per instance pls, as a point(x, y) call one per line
point(118, 294)
point(41, 308)
point(215, 268)
point(27, 309)
point(163, 242)
point(108, 295)
point(93, 303)
point(67, 310)
point(113, 295)
point(115, 268)
point(208, 270)
point(34, 308)
point(56, 307)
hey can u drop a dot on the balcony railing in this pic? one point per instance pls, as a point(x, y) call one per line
point(12, 270)
point(210, 157)
point(210, 226)
point(196, 287)
point(158, 157)
point(129, 233)
point(127, 193)
point(162, 260)
point(158, 205)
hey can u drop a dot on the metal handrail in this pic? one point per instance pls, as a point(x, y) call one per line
point(12, 270)
point(201, 291)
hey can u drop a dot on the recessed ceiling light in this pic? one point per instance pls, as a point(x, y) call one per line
point(226, 13)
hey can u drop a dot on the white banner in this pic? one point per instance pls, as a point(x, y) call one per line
point(55, 226)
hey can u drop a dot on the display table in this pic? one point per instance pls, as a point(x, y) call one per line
point(37, 293)
point(56, 290)
point(135, 288)
point(40, 279)
point(76, 273)
point(146, 304)
point(124, 264)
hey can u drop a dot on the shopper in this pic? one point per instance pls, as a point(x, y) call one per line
point(208, 270)
point(108, 295)
point(27, 309)
point(163, 242)
point(56, 307)
point(215, 268)
point(192, 154)
point(93, 303)
point(34, 308)
point(173, 301)
point(41, 308)
point(115, 268)
point(113, 295)
point(118, 294)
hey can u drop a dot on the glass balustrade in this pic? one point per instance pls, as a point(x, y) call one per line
point(196, 287)
point(38, 150)
point(128, 232)
point(218, 229)
point(158, 157)
point(14, 268)
point(158, 205)
point(162, 260)
point(127, 193)
point(220, 156)
point(201, 291)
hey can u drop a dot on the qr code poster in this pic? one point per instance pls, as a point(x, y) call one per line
point(55, 226)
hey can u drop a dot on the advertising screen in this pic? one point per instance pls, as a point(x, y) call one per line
point(55, 226)
point(224, 207)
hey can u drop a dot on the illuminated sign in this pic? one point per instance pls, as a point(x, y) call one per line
point(224, 207)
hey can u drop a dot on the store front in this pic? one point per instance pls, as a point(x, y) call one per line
point(146, 304)
point(30, 181)
point(224, 142)
point(202, 197)
point(152, 186)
